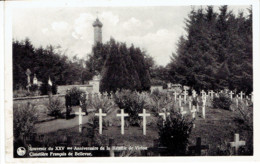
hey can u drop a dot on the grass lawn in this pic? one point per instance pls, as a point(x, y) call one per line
point(218, 127)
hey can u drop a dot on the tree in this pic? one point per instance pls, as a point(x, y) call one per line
point(216, 53)
point(45, 62)
point(124, 68)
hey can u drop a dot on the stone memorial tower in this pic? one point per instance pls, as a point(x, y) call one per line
point(97, 31)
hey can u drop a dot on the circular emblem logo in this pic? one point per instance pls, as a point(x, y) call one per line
point(21, 151)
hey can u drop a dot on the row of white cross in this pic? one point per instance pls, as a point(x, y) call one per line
point(144, 115)
point(210, 93)
point(122, 115)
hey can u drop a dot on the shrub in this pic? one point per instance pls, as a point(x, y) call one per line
point(105, 104)
point(160, 100)
point(55, 107)
point(223, 101)
point(33, 88)
point(21, 93)
point(25, 116)
point(132, 103)
point(75, 95)
point(175, 133)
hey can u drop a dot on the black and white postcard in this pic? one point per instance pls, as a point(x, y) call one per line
point(92, 79)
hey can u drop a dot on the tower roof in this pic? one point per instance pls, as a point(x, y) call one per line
point(97, 23)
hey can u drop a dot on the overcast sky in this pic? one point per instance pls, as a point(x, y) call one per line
point(154, 29)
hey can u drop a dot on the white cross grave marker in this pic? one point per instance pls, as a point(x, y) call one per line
point(163, 114)
point(175, 95)
point(211, 93)
point(185, 96)
point(180, 99)
point(231, 95)
point(241, 95)
point(203, 93)
point(182, 112)
point(193, 111)
point(237, 143)
point(144, 115)
point(100, 114)
point(193, 93)
point(80, 114)
point(190, 101)
point(122, 115)
point(203, 111)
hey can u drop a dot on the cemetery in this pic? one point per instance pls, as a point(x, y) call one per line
point(102, 121)
point(119, 103)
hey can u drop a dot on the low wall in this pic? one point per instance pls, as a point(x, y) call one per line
point(63, 88)
point(37, 99)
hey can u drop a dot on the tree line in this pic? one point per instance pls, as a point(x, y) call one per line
point(45, 63)
point(216, 53)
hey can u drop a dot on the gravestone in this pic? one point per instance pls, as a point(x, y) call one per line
point(193, 111)
point(182, 112)
point(198, 147)
point(211, 93)
point(100, 115)
point(241, 95)
point(194, 94)
point(180, 100)
point(236, 144)
point(190, 103)
point(175, 95)
point(163, 114)
point(144, 115)
point(122, 115)
point(185, 96)
point(35, 81)
point(80, 114)
point(231, 95)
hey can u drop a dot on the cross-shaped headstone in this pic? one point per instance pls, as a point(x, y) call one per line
point(185, 96)
point(203, 111)
point(163, 114)
point(231, 95)
point(193, 111)
point(237, 143)
point(204, 99)
point(182, 112)
point(241, 95)
point(175, 95)
point(144, 115)
point(203, 93)
point(122, 115)
point(100, 114)
point(198, 147)
point(180, 99)
point(211, 93)
point(80, 114)
point(190, 101)
point(194, 94)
